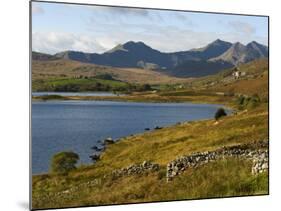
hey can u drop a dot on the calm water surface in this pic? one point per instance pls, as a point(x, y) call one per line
point(78, 125)
point(83, 94)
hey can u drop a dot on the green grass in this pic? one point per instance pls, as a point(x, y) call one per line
point(222, 178)
point(84, 81)
point(217, 179)
point(77, 84)
point(230, 177)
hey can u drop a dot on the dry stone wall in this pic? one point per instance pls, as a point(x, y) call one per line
point(248, 151)
point(146, 166)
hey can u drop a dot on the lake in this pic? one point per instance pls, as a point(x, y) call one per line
point(83, 94)
point(78, 125)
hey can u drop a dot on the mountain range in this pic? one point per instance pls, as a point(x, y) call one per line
point(207, 60)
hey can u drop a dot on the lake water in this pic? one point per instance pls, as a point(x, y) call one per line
point(78, 125)
point(83, 94)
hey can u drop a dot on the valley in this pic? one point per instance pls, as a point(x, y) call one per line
point(135, 168)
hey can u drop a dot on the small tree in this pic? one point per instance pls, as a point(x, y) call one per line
point(146, 87)
point(63, 162)
point(220, 112)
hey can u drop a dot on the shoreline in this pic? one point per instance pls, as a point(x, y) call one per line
point(224, 101)
point(151, 130)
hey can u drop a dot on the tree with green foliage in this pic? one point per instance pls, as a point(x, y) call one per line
point(220, 113)
point(63, 162)
point(146, 87)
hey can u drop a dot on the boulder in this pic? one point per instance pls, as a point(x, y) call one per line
point(94, 157)
point(108, 141)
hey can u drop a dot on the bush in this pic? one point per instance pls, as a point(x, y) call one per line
point(64, 162)
point(105, 76)
point(248, 102)
point(220, 113)
point(240, 100)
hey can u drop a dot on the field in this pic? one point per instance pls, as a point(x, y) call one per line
point(44, 70)
point(95, 185)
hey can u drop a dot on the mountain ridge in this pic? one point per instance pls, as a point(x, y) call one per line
point(209, 59)
point(240, 54)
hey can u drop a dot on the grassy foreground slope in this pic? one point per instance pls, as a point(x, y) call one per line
point(93, 185)
point(222, 178)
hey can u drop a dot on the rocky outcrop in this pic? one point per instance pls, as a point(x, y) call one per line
point(146, 166)
point(108, 141)
point(247, 151)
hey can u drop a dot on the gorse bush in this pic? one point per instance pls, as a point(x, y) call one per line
point(64, 162)
point(220, 113)
point(248, 102)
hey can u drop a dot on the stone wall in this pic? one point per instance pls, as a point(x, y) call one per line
point(260, 163)
point(146, 166)
point(248, 151)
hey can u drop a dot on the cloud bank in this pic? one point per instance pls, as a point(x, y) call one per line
point(98, 29)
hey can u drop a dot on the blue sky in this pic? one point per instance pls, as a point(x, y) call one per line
point(58, 27)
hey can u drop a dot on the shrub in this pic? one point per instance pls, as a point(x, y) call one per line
point(63, 162)
point(240, 100)
point(248, 102)
point(105, 76)
point(254, 101)
point(220, 113)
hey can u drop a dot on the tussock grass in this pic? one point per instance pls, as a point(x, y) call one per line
point(230, 177)
point(221, 178)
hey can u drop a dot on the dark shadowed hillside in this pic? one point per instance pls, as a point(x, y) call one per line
point(207, 60)
point(42, 56)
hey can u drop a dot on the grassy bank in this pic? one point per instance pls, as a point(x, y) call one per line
point(162, 146)
point(93, 185)
point(207, 181)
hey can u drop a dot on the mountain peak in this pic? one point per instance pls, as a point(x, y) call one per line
point(238, 44)
point(218, 41)
point(213, 49)
point(130, 45)
point(219, 54)
point(133, 44)
point(239, 53)
point(254, 43)
point(118, 47)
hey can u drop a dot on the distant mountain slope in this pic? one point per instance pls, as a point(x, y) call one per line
point(207, 60)
point(64, 68)
point(42, 56)
point(127, 55)
point(213, 49)
point(199, 68)
point(239, 53)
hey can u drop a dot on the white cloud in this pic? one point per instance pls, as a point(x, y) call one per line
point(37, 10)
point(242, 27)
point(125, 11)
point(53, 42)
point(174, 39)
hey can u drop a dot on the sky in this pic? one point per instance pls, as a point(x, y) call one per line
point(95, 29)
